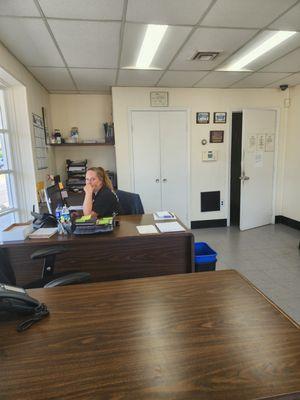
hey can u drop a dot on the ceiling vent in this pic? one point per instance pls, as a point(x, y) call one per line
point(204, 55)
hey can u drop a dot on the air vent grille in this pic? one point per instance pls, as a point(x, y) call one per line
point(204, 55)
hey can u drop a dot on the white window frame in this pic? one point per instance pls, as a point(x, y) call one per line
point(7, 150)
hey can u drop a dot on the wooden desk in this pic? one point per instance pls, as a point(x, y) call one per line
point(194, 336)
point(121, 254)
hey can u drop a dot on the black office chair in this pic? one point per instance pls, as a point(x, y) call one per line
point(130, 202)
point(49, 278)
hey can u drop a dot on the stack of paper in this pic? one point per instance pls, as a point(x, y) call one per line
point(162, 215)
point(146, 229)
point(170, 227)
point(43, 233)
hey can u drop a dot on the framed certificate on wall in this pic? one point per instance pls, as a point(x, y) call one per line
point(159, 99)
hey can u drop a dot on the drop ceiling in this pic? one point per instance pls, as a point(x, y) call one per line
point(89, 46)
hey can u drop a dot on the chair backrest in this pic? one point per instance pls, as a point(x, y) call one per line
point(130, 202)
point(7, 275)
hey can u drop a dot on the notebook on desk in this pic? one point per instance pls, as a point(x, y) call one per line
point(75, 208)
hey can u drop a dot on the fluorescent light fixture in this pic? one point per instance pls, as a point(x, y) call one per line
point(268, 44)
point(151, 42)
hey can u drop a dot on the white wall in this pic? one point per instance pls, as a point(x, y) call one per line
point(26, 87)
point(204, 176)
point(291, 186)
point(88, 113)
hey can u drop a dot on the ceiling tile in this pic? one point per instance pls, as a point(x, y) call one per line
point(291, 80)
point(225, 41)
point(138, 77)
point(181, 78)
point(23, 8)
point(259, 79)
point(88, 44)
point(87, 9)
point(289, 21)
point(133, 39)
point(221, 79)
point(288, 63)
point(94, 79)
point(29, 40)
point(245, 13)
point(53, 78)
point(186, 12)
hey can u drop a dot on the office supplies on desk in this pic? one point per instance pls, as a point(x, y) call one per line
point(163, 215)
point(43, 233)
point(75, 208)
point(88, 225)
point(146, 229)
point(169, 227)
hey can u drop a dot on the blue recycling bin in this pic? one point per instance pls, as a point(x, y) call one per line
point(205, 257)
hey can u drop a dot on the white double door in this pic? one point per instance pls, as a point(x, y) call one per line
point(160, 160)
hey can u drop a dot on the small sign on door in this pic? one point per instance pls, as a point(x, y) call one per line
point(270, 142)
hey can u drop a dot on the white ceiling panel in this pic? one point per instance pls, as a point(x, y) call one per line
point(133, 39)
point(289, 21)
point(138, 77)
point(288, 63)
point(259, 79)
point(225, 41)
point(94, 79)
point(24, 8)
point(245, 13)
point(29, 40)
point(186, 12)
point(83, 9)
point(88, 44)
point(221, 79)
point(181, 78)
point(291, 80)
point(53, 78)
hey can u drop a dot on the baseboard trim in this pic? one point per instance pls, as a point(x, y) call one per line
point(280, 219)
point(209, 223)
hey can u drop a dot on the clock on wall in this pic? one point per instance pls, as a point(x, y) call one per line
point(159, 99)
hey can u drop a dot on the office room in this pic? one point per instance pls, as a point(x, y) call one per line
point(192, 107)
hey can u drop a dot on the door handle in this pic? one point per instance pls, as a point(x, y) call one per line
point(164, 180)
point(156, 180)
point(244, 178)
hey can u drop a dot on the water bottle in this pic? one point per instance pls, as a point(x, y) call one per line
point(58, 211)
point(65, 213)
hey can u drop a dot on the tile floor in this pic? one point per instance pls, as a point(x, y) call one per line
point(268, 256)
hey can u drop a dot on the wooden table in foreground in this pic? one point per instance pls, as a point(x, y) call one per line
point(194, 336)
point(120, 254)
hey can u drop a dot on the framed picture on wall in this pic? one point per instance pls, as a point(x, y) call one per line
point(220, 117)
point(216, 136)
point(202, 117)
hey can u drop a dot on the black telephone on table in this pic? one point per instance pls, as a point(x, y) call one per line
point(16, 300)
point(43, 220)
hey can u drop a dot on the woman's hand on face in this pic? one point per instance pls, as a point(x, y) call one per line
point(88, 189)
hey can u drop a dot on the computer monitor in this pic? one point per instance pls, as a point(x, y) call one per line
point(53, 198)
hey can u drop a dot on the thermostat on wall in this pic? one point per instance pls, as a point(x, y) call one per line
point(210, 155)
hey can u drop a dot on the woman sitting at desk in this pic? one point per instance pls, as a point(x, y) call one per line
point(99, 200)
